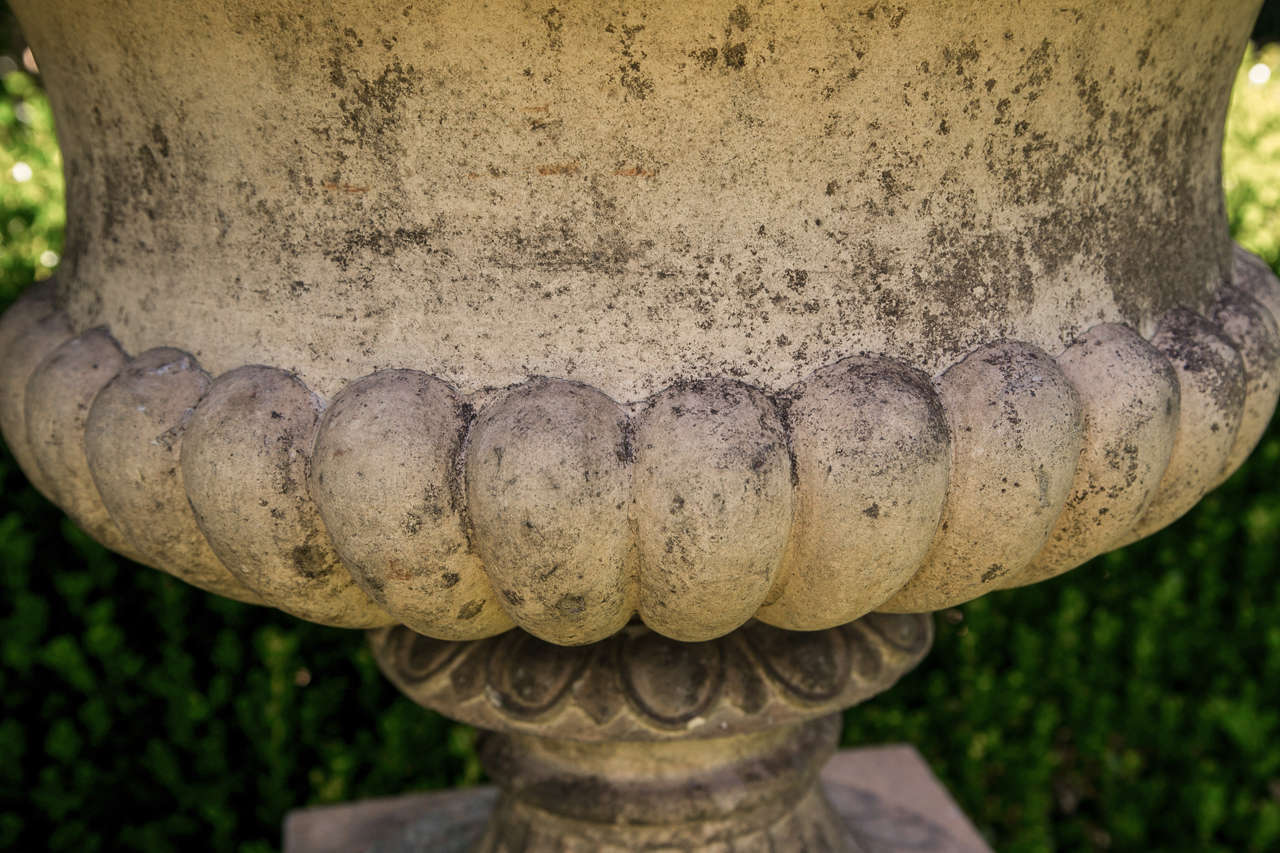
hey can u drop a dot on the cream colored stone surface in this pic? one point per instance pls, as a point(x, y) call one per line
point(1211, 380)
point(548, 485)
point(244, 458)
point(132, 438)
point(872, 461)
point(550, 506)
point(712, 507)
point(58, 395)
point(1016, 436)
point(505, 314)
point(630, 195)
point(1251, 328)
point(29, 331)
point(1130, 406)
point(386, 480)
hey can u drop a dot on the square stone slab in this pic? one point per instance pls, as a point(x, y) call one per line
point(888, 796)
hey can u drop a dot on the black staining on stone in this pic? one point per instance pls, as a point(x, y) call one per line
point(735, 56)
point(782, 408)
point(626, 443)
point(993, 572)
point(160, 139)
point(513, 598)
point(448, 580)
point(373, 108)
point(961, 60)
point(357, 243)
point(555, 26)
point(796, 279)
point(569, 606)
point(872, 511)
point(1090, 95)
point(706, 58)
point(1212, 363)
point(740, 17)
point(471, 609)
point(594, 244)
point(1037, 68)
point(890, 14)
point(457, 474)
point(1002, 111)
point(890, 184)
point(309, 561)
point(635, 82)
point(411, 523)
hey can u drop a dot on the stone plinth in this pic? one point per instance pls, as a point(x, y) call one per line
point(887, 797)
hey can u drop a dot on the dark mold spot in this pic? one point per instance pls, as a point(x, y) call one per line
point(571, 605)
point(471, 609)
point(995, 570)
point(309, 561)
point(706, 57)
point(626, 448)
point(555, 24)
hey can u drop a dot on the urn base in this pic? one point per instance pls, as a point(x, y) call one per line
point(885, 797)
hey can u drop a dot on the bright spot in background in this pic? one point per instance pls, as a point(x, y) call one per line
point(48, 259)
point(1259, 74)
point(21, 172)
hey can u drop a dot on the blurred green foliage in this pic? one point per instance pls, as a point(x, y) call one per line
point(1132, 705)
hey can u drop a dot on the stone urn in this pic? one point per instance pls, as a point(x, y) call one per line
point(640, 374)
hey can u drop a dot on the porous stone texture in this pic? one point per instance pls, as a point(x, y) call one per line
point(464, 317)
point(132, 438)
point(628, 195)
point(243, 464)
point(550, 506)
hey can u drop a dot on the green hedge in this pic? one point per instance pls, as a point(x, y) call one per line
point(1132, 705)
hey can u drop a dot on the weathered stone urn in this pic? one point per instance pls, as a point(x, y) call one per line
point(641, 373)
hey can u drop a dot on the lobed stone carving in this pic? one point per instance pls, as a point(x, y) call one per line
point(641, 685)
point(550, 506)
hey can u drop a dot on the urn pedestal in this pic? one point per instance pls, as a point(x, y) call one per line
point(638, 373)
